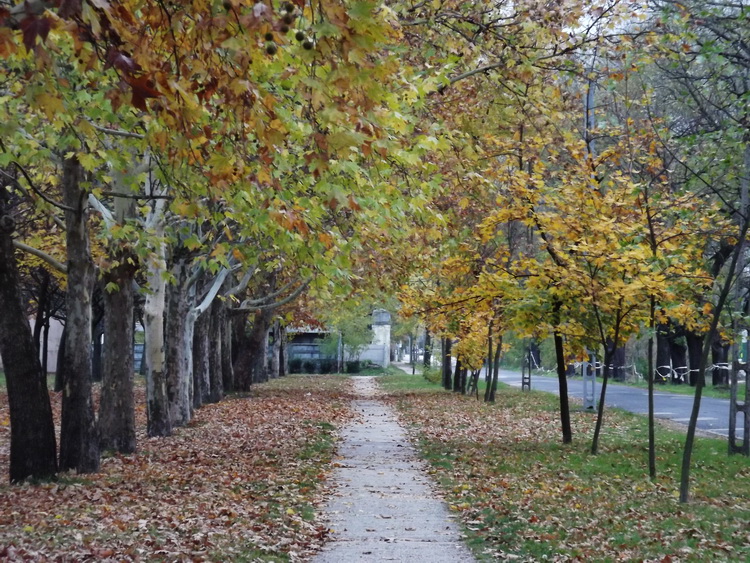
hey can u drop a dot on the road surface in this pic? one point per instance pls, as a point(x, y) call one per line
point(713, 416)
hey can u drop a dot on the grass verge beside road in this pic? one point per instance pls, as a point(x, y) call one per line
point(523, 495)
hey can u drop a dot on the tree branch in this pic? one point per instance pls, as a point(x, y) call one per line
point(33, 187)
point(117, 132)
point(211, 295)
point(242, 284)
point(270, 306)
point(57, 265)
point(251, 303)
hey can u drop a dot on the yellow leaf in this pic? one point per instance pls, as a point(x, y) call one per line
point(50, 104)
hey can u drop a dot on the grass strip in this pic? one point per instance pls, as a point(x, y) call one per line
point(522, 495)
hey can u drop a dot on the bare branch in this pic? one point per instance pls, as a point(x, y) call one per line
point(242, 284)
point(271, 306)
point(117, 132)
point(57, 265)
point(32, 186)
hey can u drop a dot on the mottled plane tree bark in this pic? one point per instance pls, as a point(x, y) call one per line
point(32, 432)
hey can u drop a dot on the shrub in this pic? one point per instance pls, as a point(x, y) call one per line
point(353, 366)
point(327, 365)
point(433, 375)
point(295, 365)
point(308, 366)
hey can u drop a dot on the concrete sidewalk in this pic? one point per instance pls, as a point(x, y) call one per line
point(384, 507)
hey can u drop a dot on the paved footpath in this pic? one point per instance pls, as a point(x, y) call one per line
point(384, 507)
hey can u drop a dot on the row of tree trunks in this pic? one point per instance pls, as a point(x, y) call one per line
point(493, 372)
point(208, 360)
point(255, 360)
point(678, 362)
point(170, 392)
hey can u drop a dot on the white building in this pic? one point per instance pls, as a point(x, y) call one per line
point(379, 350)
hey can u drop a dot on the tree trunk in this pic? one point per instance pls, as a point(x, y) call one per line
point(155, 349)
point(608, 353)
point(427, 357)
point(720, 359)
point(695, 353)
point(179, 345)
point(239, 322)
point(663, 355)
point(259, 347)
point(41, 308)
point(217, 318)
point(618, 364)
point(283, 352)
point(457, 376)
point(567, 431)
point(79, 440)
point(32, 431)
point(96, 351)
point(650, 379)
point(447, 368)
point(117, 408)
point(227, 371)
point(243, 376)
point(536, 354)
point(492, 385)
point(678, 354)
point(473, 386)
point(61, 366)
point(274, 360)
point(251, 363)
point(45, 348)
point(488, 374)
point(201, 362)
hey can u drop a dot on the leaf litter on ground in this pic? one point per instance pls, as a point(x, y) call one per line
point(242, 481)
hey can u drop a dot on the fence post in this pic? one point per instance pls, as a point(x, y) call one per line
point(589, 382)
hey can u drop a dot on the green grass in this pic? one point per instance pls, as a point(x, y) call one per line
point(377, 370)
point(367, 371)
point(400, 381)
point(522, 494)
point(405, 382)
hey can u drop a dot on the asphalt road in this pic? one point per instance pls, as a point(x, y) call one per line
point(713, 416)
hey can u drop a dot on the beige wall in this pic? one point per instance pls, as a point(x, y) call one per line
point(53, 345)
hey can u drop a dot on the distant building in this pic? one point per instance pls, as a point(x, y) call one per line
point(379, 351)
point(304, 342)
